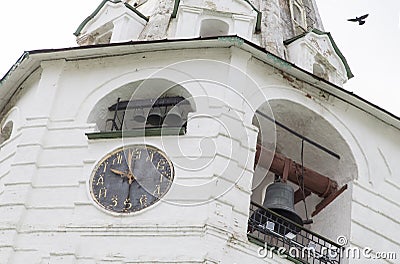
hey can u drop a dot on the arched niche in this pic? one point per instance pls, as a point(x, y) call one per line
point(9, 125)
point(6, 131)
point(319, 71)
point(298, 13)
point(333, 220)
point(149, 89)
point(213, 27)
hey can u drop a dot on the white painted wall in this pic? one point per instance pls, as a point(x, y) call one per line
point(240, 18)
point(318, 49)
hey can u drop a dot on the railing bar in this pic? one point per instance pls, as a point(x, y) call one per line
point(278, 236)
point(296, 225)
point(145, 103)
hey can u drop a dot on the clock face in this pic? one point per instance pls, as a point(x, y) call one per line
point(131, 178)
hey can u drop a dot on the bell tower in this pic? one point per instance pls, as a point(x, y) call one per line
point(271, 21)
point(285, 19)
point(192, 132)
point(281, 27)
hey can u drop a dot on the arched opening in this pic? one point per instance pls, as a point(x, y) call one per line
point(319, 71)
point(297, 14)
point(6, 131)
point(143, 105)
point(213, 27)
point(102, 35)
point(309, 157)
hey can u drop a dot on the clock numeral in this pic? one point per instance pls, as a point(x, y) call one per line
point(165, 174)
point(143, 200)
point(105, 166)
point(114, 199)
point(118, 158)
point(100, 180)
point(161, 164)
point(157, 191)
point(136, 154)
point(169, 176)
point(150, 155)
point(103, 192)
point(128, 204)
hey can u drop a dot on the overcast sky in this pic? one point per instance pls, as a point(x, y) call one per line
point(372, 50)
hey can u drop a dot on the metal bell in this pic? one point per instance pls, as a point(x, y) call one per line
point(279, 198)
point(155, 117)
point(174, 117)
point(139, 116)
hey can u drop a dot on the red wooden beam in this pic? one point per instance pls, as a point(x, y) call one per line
point(298, 195)
point(313, 181)
point(328, 200)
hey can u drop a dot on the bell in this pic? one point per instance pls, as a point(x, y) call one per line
point(155, 117)
point(173, 118)
point(279, 198)
point(139, 116)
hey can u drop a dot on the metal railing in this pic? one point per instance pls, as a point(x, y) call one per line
point(121, 109)
point(277, 232)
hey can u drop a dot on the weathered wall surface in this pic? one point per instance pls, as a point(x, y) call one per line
point(276, 23)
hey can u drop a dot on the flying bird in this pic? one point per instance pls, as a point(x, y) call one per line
point(360, 20)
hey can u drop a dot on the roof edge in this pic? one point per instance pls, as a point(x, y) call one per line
point(335, 47)
point(95, 12)
point(231, 40)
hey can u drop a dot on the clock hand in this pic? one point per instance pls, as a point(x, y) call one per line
point(127, 200)
point(128, 175)
point(131, 177)
point(121, 173)
point(130, 160)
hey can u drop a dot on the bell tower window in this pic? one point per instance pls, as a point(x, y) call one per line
point(154, 113)
point(151, 107)
point(298, 15)
point(6, 131)
point(319, 71)
point(297, 184)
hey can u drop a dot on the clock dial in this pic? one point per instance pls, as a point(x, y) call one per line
point(131, 178)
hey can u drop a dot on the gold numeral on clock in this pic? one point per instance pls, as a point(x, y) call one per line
point(157, 191)
point(161, 164)
point(128, 204)
point(103, 192)
point(114, 199)
point(105, 166)
point(165, 174)
point(100, 180)
point(143, 200)
point(150, 156)
point(118, 159)
point(136, 154)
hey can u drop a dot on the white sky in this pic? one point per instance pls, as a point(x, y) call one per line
point(371, 50)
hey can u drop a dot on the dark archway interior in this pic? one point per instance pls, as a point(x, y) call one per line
point(315, 127)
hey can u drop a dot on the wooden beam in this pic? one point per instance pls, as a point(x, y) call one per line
point(298, 195)
point(315, 182)
point(324, 203)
